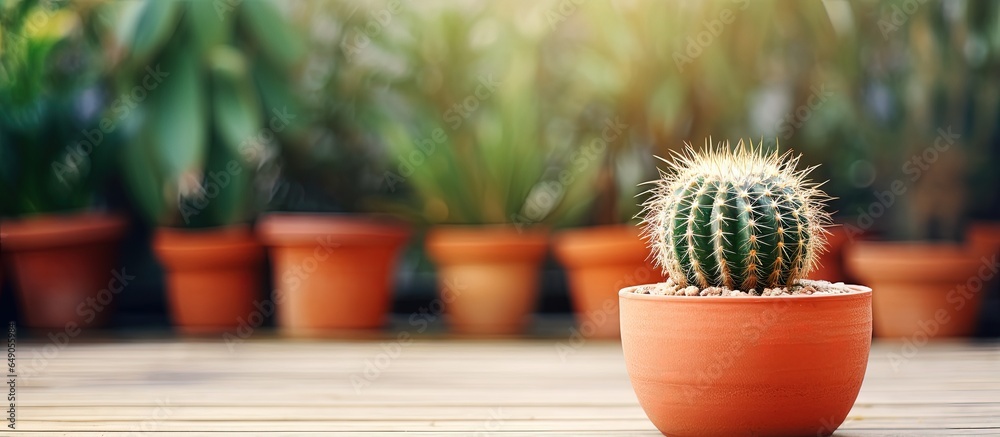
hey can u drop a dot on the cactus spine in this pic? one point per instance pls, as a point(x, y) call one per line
point(738, 218)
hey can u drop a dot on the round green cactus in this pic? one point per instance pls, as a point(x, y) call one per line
point(738, 218)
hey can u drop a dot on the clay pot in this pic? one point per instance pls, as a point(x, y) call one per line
point(64, 268)
point(921, 289)
point(487, 276)
point(984, 237)
point(332, 272)
point(746, 366)
point(600, 261)
point(831, 262)
point(212, 276)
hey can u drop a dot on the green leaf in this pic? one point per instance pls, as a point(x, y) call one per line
point(151, 27)
point(232, 177)
point(278, 42)
point(177, 128)
point(276, 95)
point(206, 27)
point(142, 178)
point(236, 111)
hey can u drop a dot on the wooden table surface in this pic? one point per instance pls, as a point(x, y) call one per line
point(437, 387)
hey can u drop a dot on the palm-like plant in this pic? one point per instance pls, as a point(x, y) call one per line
point(210, 90)
point(469, 125)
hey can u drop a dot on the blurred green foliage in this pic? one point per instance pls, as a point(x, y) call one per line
point(210, 100)
point(446, 98)
point(53, 98)
point(534, 112)
point(470, 120)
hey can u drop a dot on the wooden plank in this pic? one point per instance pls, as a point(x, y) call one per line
point(507, 387)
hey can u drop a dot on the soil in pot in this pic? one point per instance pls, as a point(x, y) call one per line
point(781, 365)
point(599, 261)
point(64, 268)
point(929, 290)
point(487, 276)
point(332, 272)
point(213, 277)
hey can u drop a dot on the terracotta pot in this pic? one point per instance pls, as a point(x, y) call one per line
point(487, 276)
point(746, 366)
point(213, 277)
point(64, 268)
point(332, 272)
point(600, 261)
point(921, 289)
point(984, 237)
point(831, 262)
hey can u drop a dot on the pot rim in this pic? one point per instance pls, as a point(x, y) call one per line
point(171, 239)
point(449, 237)
point(447, 244)
point(858, 291)
point(909, 260)
point(179, 249)
point(43, 231)
point(600, 245)
point(937, 247)
point(291, 229)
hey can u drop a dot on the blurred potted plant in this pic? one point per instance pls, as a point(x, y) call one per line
point(210, 107)
point(55, 149)
point(469, 133)
point(938, 118)
point(334, 268)
point(737, 230)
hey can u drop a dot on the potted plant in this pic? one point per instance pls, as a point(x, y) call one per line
point(935, 123)
point(210, 81)
point(468, 133)
point(55, 153)
point(735, 342)
point(334, 253)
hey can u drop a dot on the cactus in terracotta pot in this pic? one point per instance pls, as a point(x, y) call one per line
point(738, 218)
point(731, 226)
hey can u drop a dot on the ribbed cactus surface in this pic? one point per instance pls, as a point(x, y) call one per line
point(740, 218)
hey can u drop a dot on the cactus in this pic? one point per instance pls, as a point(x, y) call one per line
point(737, 218)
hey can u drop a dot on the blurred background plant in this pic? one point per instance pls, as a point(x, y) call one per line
point(54, 96)
point(926, 106)
point(687, 71)
point(495, 112)
point(339, 163)
point(209, 100)
point(468, 120)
